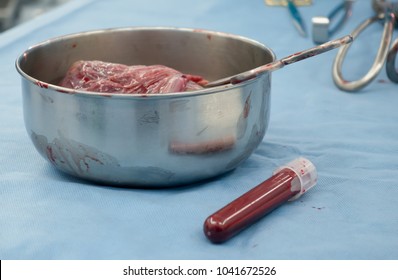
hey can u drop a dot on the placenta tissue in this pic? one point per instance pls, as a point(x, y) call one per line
point(105, 77)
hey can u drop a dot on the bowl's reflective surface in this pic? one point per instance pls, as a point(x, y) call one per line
point(150, 141)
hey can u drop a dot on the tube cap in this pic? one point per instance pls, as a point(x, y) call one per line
point(306, 172)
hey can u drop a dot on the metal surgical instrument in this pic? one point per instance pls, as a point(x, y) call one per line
point(387, 11)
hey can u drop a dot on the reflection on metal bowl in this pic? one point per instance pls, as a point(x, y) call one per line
point(157, 140)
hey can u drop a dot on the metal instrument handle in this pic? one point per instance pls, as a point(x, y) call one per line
point(379, 61)
point(392, 72)
point(381, 6)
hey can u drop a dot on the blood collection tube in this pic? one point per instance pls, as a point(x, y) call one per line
point(288, 182)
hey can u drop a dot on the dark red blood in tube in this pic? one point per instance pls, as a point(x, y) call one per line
point(251, 206)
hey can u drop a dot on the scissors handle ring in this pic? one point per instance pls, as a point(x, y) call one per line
point(378, 63)
point(390, 65)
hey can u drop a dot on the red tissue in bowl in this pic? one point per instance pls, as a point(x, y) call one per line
point(99, 76)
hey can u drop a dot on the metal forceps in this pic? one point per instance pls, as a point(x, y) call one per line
point(387, 11)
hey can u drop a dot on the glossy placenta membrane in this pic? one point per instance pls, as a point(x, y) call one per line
point(106, 77)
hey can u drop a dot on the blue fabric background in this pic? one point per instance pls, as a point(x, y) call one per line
point(352, 139)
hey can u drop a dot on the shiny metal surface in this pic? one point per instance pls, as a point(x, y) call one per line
point(278, 64)
point(352, 86)
point(321, 25)
point(156, 140)
point(383, 6)
point(298, 21)
point(386, 11)
point(392, 71)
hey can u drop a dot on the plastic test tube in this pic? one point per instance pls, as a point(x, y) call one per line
point(288, 182)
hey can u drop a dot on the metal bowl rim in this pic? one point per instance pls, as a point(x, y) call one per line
point(137, 96)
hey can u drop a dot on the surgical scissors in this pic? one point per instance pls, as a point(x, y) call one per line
point(387, 11)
